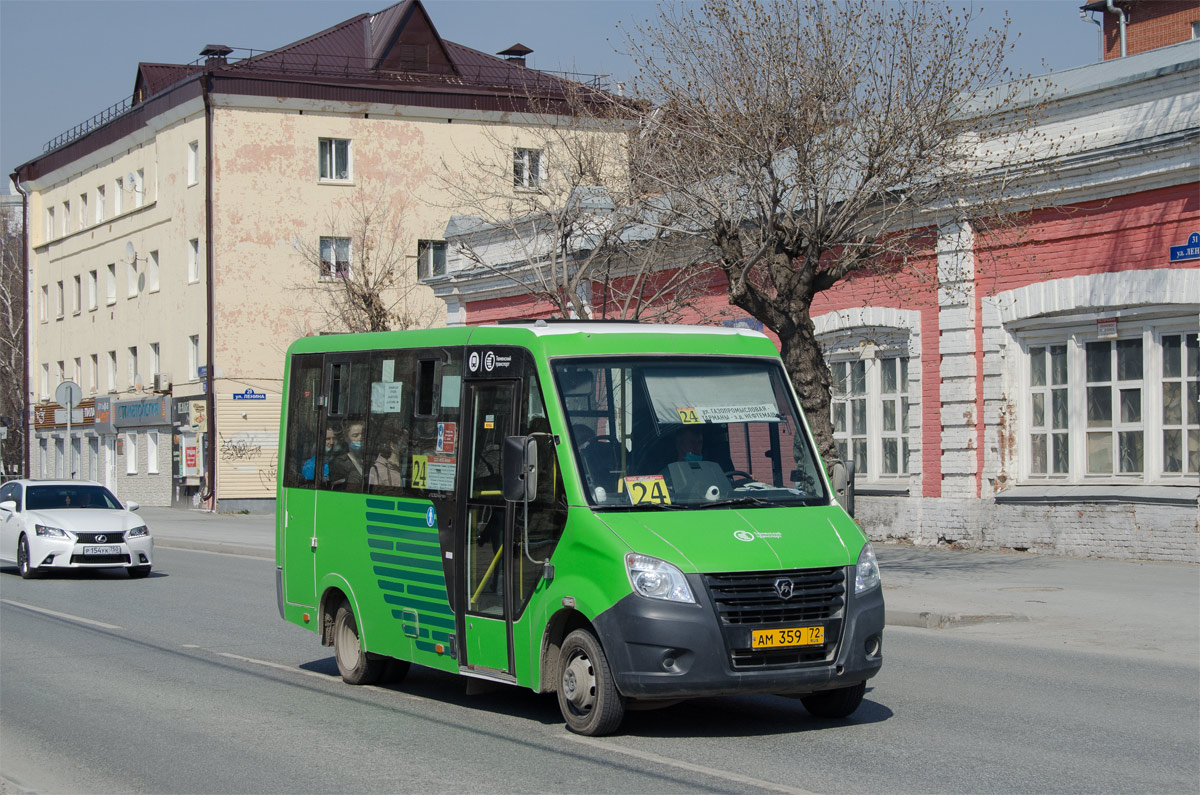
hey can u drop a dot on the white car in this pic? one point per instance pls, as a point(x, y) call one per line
point(70, 524)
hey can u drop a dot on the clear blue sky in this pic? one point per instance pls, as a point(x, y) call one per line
point(62, 62)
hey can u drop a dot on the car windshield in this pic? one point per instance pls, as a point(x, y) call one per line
point(687, 432)
point(42, 498)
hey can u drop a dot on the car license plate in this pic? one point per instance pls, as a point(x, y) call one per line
point(108, 549)
point(789, 636)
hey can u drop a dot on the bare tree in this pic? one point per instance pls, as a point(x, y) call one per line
point(809, 140)
point(361, 273)
point(553, 209)
point(12, 342)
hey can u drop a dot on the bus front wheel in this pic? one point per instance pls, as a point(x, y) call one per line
point(587, 694)
point(356, 666)
point(839, 703)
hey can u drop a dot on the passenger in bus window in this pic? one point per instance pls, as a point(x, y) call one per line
point(346, 471)
point(388, 471)
point(308, 469)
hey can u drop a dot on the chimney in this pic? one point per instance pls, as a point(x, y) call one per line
point(516, 54)
point(216, 53)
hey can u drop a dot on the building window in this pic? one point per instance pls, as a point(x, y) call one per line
point(194, 260)
point(132, 361)
point(112, 371)
point(66, 218)
point(193, 163)
point(1124, 409)
point(62, 371)
point(60, 300)
point(131, 440)
point(44, 307)
point(155, 361)
point(431, 258)
point(194, 356)
point(870, 411)
point(132, 279)
point(44, 392)
point(93, 289)
point(78, 378)
point(528, 168)
point(94, 375)
point(334, 157)
point(335, 257)
point(152, 272)
point(118, 195)
point(139, 188)
point(99, 204)
point(50, 230)
point(110, 291)
point(83, 210)
point(152, 452)
point(77, 297)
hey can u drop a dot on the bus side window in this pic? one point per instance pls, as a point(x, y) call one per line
point(389, 441)
point(349, 391)
point(547, 510)
point(301, 451)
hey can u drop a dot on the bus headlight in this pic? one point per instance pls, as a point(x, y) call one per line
point(866, 573)
point(657, 579)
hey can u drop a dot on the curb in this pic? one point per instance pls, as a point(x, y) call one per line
point(216, 546)
point(930, 620)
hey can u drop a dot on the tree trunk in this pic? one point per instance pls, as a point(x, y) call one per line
point(805, 363)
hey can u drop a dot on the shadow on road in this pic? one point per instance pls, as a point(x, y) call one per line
point(912, 560)
point(83, 574)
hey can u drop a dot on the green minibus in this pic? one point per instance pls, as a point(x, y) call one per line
point(624, 514)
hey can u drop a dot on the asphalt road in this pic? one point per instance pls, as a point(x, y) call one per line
point(188, 681)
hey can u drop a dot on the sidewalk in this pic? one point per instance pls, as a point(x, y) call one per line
point(1122, 606)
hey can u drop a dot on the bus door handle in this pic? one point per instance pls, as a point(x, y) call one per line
point(313, 541)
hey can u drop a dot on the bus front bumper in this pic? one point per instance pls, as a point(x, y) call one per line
point(668, 650)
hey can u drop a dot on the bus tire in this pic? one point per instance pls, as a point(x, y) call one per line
point(839, 703)
point(356, 666)
point(587, 695)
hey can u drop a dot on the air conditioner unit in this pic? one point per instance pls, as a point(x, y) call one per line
point(162, 382)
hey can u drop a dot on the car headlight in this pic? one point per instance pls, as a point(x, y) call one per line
point(866, 573)
point(657, 579)
point(50, 532)
point(138, 532)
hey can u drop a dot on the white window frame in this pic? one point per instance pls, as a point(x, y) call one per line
point(131, 279)
point(193, 260)
point(60, 300)
point(152, 452)
point(131, 453)
point(155, 361)
point(44, 449)
point(876, 414)
point(66, 218)
point(193, 163)
point(429, 252)
point(44, 308)
point(78, 370)
point(332, 266)
point(110, 292)
point(77, 297)
point(94, 381)
point(118, 195)
point(1150, 331)
point(93, 290)
point(329, 151)
point(112, 371)
point(44, 392)
point(194, 357)
point(139, 188)
point(100, 204)
point(51, 231)
point(131, 360)
point(529, 168)
point(152, 275)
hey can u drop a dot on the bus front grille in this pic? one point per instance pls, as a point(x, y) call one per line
point(753, 597)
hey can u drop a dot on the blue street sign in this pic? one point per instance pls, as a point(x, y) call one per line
point(1187, 252)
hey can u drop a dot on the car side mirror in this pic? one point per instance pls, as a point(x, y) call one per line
point(132, 506)
point(520, 468)
point(842, 476)
point(8, 505)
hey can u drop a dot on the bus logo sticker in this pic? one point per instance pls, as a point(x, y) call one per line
point(473, 361)
point(743, 535)
point(489, 361)
point(429, 517)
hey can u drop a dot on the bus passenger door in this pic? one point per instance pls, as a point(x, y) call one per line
point(486, 549)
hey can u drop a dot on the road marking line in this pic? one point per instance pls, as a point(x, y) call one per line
point(289, 668)
point(56, 614)
point(646, 756)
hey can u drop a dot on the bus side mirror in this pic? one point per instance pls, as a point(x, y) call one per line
point(520, 468)
point(842, 476)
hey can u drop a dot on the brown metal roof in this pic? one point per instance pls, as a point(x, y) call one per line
point(393, 57)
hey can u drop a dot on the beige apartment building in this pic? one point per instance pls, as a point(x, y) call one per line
point(180, 241)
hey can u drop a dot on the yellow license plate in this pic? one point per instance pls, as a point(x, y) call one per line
point(790, 636)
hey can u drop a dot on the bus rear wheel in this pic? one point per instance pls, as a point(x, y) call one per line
point(356, 666)
point(587, 695)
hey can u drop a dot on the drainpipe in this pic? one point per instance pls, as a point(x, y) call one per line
point(26, 422)
point(1083, 15)
point(1123, 19)
point(210, 402)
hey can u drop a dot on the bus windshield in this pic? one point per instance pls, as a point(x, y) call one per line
point(692, 432)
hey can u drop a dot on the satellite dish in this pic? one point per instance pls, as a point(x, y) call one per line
point(137, 380)
point(132, 183)
point(130, 252)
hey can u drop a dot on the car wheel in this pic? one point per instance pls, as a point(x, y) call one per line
point(137, 572)
point(356, 666)
point(587, 695)
point(839, 703)
point(28, 570)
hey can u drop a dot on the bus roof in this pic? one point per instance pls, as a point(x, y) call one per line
point(568, 338)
